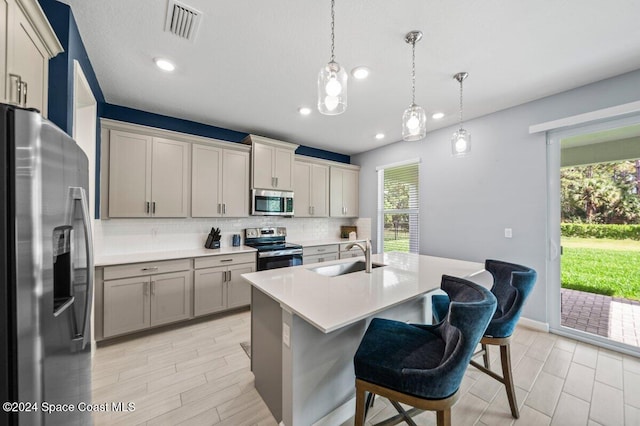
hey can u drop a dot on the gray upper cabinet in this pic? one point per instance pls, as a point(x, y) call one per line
point(272, 163)
point(311, 188)
point(219, 182)
point(344, 200)
point(148, 172)
point(148, 176)
point(129, 174)
point(28, 42)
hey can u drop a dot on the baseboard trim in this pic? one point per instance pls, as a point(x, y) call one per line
point(533, 324)
point(339, 415)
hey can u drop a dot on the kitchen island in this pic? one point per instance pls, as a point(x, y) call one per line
point(306, 327)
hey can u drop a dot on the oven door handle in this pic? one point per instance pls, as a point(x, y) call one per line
point(278, 253)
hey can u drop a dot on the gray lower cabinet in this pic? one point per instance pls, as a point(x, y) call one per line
point(136, 296)
point(218, 284)
point(132, 304)
point(317, 254)
point(210, 290)
point(126, 305)
point(238, 290)
point(170, 297)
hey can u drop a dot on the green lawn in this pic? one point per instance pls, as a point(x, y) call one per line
point(396, 241)
point(602, 266)
point(396, 245)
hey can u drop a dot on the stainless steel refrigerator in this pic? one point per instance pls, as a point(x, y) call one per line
point(46, 273)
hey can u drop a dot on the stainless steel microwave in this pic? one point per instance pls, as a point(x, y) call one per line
point(265, 202)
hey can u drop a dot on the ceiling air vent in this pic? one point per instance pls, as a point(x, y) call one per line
point(182, 20)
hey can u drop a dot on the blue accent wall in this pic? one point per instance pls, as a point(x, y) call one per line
point(321, 153)
point(60, 105)
point(130, 115)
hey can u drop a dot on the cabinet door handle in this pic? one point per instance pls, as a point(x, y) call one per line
point(226, 260)
point(313, 210)
point(310, 211)
point(147, 208)
point(321, 259)
point(24, 93)
point(153, 288)
point(146, 289)
point(224, 208)
point(18, 92)
point(229, 279)
point(150, 268)
point(276, 182)
point(153, 207)
point(219, 208)
point(320, 250)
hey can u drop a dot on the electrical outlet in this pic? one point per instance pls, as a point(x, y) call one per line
point(508, 233)
point(286, 335)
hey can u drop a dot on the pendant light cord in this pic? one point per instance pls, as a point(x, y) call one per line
point(460, 104)
point(333, 18)
point(413, 73)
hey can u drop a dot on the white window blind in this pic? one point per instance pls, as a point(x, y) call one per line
point(398, 208)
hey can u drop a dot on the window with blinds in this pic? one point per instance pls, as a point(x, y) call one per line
point(398, 209)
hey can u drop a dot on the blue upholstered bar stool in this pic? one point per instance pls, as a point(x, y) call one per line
point(423, 365)
point(512, 284)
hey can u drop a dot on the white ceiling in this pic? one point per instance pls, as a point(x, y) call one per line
point(254, 63)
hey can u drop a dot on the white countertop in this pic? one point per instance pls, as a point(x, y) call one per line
point(152, 256)
point(330, 303)
point(314, 243)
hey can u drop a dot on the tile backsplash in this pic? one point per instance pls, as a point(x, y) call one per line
point(121, 236)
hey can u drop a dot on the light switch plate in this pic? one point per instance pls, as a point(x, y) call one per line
point(286, 335)
point(508, 233)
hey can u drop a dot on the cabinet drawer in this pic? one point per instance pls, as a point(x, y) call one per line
point(146, 268)
point(317, 258)
point(223, 260)
point(311, 251)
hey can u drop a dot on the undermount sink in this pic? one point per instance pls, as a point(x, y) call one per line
point(343, 268)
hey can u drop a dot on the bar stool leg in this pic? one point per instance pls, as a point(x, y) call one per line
point(359, 417)
point(485, 357)
point(505, 358)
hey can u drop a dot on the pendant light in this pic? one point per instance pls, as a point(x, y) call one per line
point(414, 119)
point(461, 140)
point(332, 81)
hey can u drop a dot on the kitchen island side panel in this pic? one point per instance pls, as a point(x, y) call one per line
point(266, 349)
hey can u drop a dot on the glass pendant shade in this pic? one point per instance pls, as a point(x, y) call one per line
point(332, 89)
point(414, 123)
point(460, 143)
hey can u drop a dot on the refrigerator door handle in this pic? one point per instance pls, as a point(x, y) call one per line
point(78, 194)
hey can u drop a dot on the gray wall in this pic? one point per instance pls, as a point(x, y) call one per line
point(465, 203)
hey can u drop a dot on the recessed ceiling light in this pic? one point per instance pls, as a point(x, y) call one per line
point(379, 136)
point(164, 64)
point(360, 72)
point(437, 115)
point(304, 111)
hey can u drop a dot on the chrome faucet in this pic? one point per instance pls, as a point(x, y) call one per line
point(366, 249)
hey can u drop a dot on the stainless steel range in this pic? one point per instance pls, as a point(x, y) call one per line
point(273, 251)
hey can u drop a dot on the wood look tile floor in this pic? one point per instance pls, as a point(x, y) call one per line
point(198, 374)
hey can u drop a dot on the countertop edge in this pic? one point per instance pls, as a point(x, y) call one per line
point(157, 256)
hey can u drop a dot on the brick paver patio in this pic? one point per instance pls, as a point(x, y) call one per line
point(612, 317)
